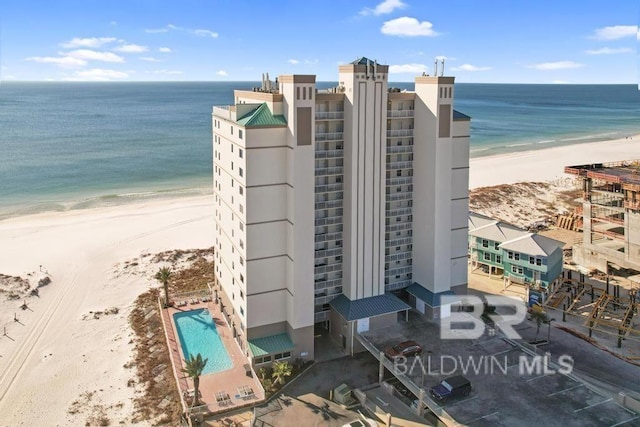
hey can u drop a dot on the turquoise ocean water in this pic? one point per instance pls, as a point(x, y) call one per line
point(76, 145)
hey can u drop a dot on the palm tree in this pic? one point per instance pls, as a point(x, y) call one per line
point(280, 371)
point(163, 275)
point(540, 317)
point(193, 368)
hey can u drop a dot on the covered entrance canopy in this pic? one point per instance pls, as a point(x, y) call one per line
point(273, 347)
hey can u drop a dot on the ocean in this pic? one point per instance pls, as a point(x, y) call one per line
point(77, 145)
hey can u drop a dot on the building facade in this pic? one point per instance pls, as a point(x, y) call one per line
point(330, 203)
point(611, 216)
point(517, 255)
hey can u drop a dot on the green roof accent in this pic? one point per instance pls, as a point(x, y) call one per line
point(261, 116)
point(270, 345)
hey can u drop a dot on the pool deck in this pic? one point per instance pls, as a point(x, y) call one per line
point(228, 382)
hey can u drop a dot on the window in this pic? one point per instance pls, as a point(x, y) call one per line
point(231, 130)
point(231, 165)
point(298, 92)
point(516, 256)
point(280, 356)
point(241, 261)
point(532, 260)
point(240, 171)
point(510, 255)
point(241, 227)
point(495, 246)
point(240, 133)
point(399, 172)
point(242, 278)
point(515, 269)
point(487, 256)
point(240, 152)
point(241, 190)
point(241, 311)
point(538, 261)
point(232, 148)
point(485, 243)
point(498, 259)
point(241, 209)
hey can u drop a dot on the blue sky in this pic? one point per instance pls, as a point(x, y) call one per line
point(496, 41)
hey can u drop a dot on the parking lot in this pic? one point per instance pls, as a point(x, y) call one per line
point(505, 392)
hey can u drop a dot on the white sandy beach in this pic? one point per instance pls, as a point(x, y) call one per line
point(548, 164)
point(52, 356)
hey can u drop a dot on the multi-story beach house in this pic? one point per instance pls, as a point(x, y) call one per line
point(329, 203)
point(611, 216)
point(518, 255)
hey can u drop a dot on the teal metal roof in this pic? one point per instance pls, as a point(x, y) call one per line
point(430, 298)
point(362, 61)
point(368, 307)
point(261, 116)
point(270, 345)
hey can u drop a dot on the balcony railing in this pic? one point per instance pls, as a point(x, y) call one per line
point(329, 204)
point(398, 256)
point(398, 212)
point(398, 226)
point(392, 272)
point(326, 171)
point(398, 242)
point(399, 133)
point(630, 204)
point(399, 180)
point(329, 188)
point(326, 284)
point(329, 154)
point(329, 220)
point(407, 195)
point(391, 149)
point(329, 115)
point(399, 113)
point(327, 237)
point(329, 268)
point(329, 136)
point(322, 253)
point(407, 164)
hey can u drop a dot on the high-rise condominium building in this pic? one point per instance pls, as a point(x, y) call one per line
point(337, 207)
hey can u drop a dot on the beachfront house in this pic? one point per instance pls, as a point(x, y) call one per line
point(518, 255)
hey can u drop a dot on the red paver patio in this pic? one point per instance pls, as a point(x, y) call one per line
point(230, 381)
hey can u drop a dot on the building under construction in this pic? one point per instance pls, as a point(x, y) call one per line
point(611, 215)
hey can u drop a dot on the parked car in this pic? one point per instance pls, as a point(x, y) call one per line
point(450, 388)
point(367, 422)
point(405, 348)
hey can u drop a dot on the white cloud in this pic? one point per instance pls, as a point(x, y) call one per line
point(131, 48)
point(164, 50)
point(166, 72)
point(63, 61)
point(408, 69)
point(293, 61)
point(609, 51)
point(384, 8)
point(87, 42)
point(100, 74)
point(198, 31)
point(149, 59)
point(469, 67)
point(558, 65)
point(205, 33)
point(408, 27)
point(93, 55)
point(222, 73)
point(615, 32)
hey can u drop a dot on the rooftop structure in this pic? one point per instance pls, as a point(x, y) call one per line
point(611, 215)
point(328, 202)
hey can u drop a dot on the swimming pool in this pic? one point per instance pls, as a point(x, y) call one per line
point(198, 334)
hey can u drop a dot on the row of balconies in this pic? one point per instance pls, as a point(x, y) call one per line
point(398, 212)
point(396, 164)
point(394, 149)
point(399, 196)
point(398, 226)
point(398, 256)
point(329, 188)
point(329, 136)
point(330, 219)
point(329, 154)
point(329, 268)
point(329, 115)
point(395, 271)
point(323, 253)
point(329, 204)
point(397, 133)
point(398, 242)
point(327, 237)
point(328, 171)
point(403, 283)
point(399, 180)
point(399, 113)
point(632, 204)
point(323, 283)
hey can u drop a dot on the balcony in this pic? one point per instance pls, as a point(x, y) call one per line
point(398, 226)
point(399, 149)
point(327, 284)
point(632, 204)
point(392, 272)
point(329, 220)
point(398, 242)
point(398, 133)
point(393, 164)
point(392, 114)
point(329, 115)
point(399, 180)
point(329, 188)
point(329, 204)
point(329, 136)
point(327, 237)
point(327, 171)
point(329, 154)
point(407, 195)
point(398, 256)
point(398, 212)
point(323, 253)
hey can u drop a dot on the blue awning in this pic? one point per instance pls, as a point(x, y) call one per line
point(270, 345)
point(429, 298)
point(368, 307)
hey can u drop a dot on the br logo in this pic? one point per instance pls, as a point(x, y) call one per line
point(470, 317)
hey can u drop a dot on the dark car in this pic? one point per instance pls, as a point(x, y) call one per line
point(451, 387)
point(405, 348)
